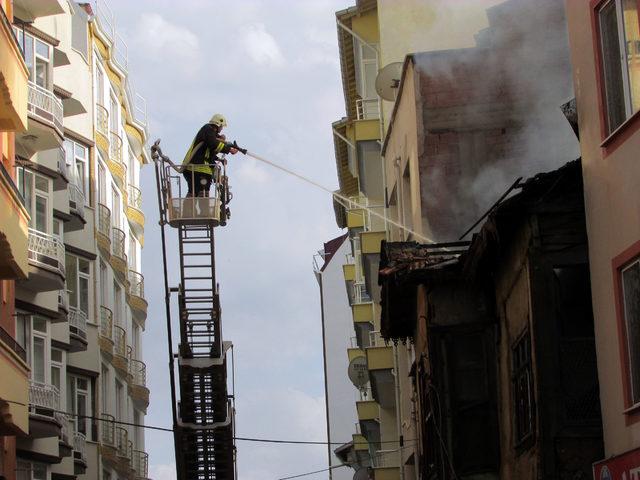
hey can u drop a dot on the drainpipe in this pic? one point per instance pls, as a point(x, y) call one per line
point(396, 365)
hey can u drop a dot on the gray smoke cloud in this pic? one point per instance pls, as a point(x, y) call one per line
point(505, 113)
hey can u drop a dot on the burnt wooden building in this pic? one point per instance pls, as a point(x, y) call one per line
point(505, 379)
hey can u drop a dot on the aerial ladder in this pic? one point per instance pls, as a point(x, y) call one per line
point(203, 408)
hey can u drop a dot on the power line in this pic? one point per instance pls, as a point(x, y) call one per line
point(316, 471)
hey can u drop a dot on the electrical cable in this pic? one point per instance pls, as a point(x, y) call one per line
point(316, 471)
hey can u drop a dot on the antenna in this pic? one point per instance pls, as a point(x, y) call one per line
point(388, 80)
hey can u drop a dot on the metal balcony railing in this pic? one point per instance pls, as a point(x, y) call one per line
point(62, 163)
point(360, 294)
point(43, 104)
point(115, 148)
point(104, 220)
point(120, 341)
point(80, 446)
point(141, 463)
point(43, 395)
point(106, 323)
point(118, 239)
point(76, 199)
point(367, 109)
point(77, 322)
point(135, 197)
point(46, 250)
point(108, 427)
point(63, 300)
point(67, 426)
point(138, 371)
point(102, 121)
point(11, 342)
point(136, 282)
point(122, 442)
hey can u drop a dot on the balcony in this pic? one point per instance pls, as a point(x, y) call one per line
point(106, 331)
point(79, 453)
point(14, 232)
point(138, 384)
point(32, 9)
point(367, 109)
point(118, 255)
point(44, 400)
point(124, 451)
point(134, 211)
point(386, 465)
point(13, 81)
point(46, 260)
point(14, 385)
point(63, 305)
point(140, 464)
point(66, 433)
point(77, 329)
point(137, 301)
point(369, 418)
point(120, 360)
point(108, 449)
point(116, 165)
point(76, 208)
point(380, 365)
point(45, 113)
point(103, 231)
point(102, 129)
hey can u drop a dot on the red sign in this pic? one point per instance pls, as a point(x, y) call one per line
point(621, 467)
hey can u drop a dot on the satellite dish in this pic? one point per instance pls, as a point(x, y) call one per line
point(388, 80)
point(361, 474)
point(357, 372)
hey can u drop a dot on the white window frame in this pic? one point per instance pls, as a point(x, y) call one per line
point(25, 470)
point(75, 391)
point(35, 194)
point(114, 114)
point(78, 161)
point(80, 275)
point(62, 368)
point(20, 35)
point(30, 334)
point(102, 181)
point(100, 82)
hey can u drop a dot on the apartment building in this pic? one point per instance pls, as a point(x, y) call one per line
point(604, 38)
point(80, 311)
point(14, 219)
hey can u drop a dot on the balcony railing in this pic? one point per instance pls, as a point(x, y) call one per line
point(102, 121)
point(46, 250)
point(135, 197)
point(367, 109)
point(104, 220)
point(43, 395)
point(78, 322)
point(80, 446)
point(11, 342)
point(122, 442)
point(44, 105)
point(106, 323)
point(63, 300)
point(138, 371)
point(120, 341)
point(115, 148)
point(118, 239)
point(76, 199)
point(141, 463)
point(360, 294)
point(67, 427)
point(62, 164)
point(108, 429)
point(136, 282)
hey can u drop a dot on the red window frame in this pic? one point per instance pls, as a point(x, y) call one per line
point(610, 141)
point(630, 255)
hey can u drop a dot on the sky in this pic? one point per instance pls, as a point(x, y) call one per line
point(272, 69)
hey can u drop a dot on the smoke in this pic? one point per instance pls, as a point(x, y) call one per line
point(492, 113)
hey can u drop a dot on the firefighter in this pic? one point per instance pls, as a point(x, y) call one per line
point(202, 155)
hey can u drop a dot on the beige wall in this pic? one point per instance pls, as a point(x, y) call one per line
point(613, 223)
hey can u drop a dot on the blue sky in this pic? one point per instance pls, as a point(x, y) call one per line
point(272, 68)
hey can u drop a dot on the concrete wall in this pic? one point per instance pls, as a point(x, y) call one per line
point(338, 329)
point(612, 204)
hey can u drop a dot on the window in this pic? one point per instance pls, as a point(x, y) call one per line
point(131, 170)
point(619, 25)
point(78, 279)
point(57, 368)
point(119, 401)
point(631, 303)
point(104, 286)
point(102, 182)
point(37, 56)
point(31, 471)
point(137, 432)
point(35, 190)
point(32, 335)
point(117, 304)
point(77, 156)
point(115, 207)
point(79, 402)
point(133, 254)
point(522, 384)
point(99, 86)
point(135, 334)
point(113, 114)
point(58, 229)
point(104, 388)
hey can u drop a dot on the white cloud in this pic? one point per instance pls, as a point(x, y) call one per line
point(163, 472)
point(251, 172)
point(261, 46)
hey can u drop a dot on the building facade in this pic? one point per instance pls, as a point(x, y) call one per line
point(80, 309)
point(605, 52)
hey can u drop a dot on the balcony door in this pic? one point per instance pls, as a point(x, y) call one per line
point(113, 114)
point(35, 190)
point(117, 206)
point(102, 183)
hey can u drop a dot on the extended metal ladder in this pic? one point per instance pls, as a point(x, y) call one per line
point(204, 413)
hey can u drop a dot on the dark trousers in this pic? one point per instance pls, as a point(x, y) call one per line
point(199, 183)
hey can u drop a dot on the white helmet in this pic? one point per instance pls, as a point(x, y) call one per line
point(218, 120)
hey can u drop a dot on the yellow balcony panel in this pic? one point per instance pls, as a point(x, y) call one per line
point(14, 415)
point(359, 442)
point(115, 163)
point(367, 130)
point(102, 129)
point(371, 241)
point(136, 138)
point(354, 353)
point(379, 358)
point(134, 210)
point(362, 312)
point(136, 298)
point(349, 272)
point(386, 473)
point(120, 360)
point(13, 82)
point(14, 231)
point(138, 383)
point(367, 410)
point(355, 218)
point(118, 256)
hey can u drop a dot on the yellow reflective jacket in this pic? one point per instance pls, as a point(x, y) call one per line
point(203, 150)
